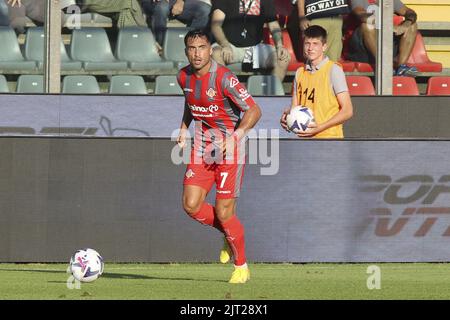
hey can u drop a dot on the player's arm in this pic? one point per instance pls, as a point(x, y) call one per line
point(185, 123)
point(249, 120)
point(235, 91)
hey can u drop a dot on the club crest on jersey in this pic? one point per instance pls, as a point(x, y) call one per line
point(211, 93)
point(190, 173)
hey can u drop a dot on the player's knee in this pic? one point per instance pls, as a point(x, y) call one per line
point(191, 206)
point(224, 212)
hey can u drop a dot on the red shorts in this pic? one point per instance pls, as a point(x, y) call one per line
point(228, 177)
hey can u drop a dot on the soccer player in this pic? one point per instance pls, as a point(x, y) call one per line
point(321, 86)
point(214, 99)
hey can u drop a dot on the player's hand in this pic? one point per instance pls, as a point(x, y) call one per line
point(304, 24)
point(181, 139)
point(283, 119)
point(282, 54)
point(177, 8)
point(312, 130)
point(227, 54)
point(13, 3)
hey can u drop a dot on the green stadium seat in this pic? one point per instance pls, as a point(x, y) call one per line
point(265, 85)
point(3, 84)
point(30, 84)
point(173, 46)
point(127, 85)
point(137, 46)
point(167, 85)
point(11, 58)
point(84, 84)
point(35, 46)
point(91, 46)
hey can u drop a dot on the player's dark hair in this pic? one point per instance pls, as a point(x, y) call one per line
point(197, 33)
point(316, 32)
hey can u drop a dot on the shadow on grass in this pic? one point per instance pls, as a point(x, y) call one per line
point(114, 276)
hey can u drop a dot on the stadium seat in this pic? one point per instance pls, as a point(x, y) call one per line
point(404, 86)
point(419, 57)
point(167, 85)
point(127, 85)
point(91, 46)
point(80, 84)
point(30, 84)
point(35, 46)
point(360, 86)
point(10, 55)
point(438, 86)
point(173, 46)
point(265, 85)
point(3, 84)
point(137, 46)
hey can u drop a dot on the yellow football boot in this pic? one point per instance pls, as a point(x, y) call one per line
point(225, 253)
point(240, 275)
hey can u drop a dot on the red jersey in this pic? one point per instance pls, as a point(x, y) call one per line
point(215, 100)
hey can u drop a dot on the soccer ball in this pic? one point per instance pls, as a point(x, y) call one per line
point(299, 118)
point(86, 265)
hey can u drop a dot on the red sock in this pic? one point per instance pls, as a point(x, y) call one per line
point(234, 232)
point(206, 216)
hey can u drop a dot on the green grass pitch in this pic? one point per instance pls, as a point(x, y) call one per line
point(209, 282)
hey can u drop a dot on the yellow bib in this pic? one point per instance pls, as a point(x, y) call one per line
point(314, 91)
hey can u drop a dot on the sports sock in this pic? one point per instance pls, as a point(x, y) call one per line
point(206, 216)
point(234, 233)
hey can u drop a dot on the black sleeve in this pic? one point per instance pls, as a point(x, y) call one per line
point(218, 4)
point(269, 10)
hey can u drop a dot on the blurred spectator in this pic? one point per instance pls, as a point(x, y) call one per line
point(193, 13)
point(4, 19)
point(237, 26)
point(125, 13)
point(363, 43)
point(19, 10)
point(308, 12)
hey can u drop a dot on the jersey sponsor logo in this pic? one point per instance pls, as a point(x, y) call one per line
point(188, 90)
point(243, 93)
point(211, 93)
point(190, 174)
point(211, 108)
point(233, 82)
